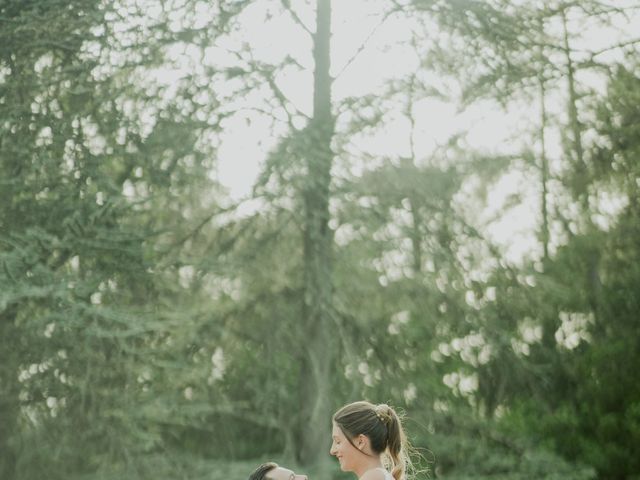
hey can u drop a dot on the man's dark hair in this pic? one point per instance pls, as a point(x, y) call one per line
point(260, 472)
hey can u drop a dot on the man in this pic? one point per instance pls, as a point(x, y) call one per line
point(271, 471)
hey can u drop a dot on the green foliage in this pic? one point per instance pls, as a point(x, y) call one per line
point(466, 448)
point(146, 331)
point(587, 412)
point(85, 312)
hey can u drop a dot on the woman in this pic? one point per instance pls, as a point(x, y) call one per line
point(368, 439)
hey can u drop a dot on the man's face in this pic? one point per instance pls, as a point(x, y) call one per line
point(281, 473)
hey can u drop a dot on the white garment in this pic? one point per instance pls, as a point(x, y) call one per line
point(387, 474)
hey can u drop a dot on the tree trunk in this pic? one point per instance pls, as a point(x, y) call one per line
point(580, 187)
point(9, 388)
point(544, 168)
point(582, 181)
point(315, 419)
point(416, 236)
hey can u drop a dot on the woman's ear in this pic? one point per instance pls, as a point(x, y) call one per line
point(362, 442)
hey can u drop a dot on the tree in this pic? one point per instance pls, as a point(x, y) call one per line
point(90, 188)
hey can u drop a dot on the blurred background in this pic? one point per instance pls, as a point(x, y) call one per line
point(220, 220)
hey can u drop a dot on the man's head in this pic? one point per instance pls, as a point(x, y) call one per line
point(271, 471)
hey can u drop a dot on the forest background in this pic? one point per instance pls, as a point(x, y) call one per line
point(153, 326)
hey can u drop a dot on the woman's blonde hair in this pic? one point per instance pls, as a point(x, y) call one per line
point(382, 425)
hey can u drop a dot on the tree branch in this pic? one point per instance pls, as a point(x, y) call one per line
point(613, 47)
point(287, 5)
point(364, 43)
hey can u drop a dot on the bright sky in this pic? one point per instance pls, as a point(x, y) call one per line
point(387, 54)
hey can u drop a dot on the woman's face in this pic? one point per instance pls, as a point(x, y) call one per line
point(342, 449)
